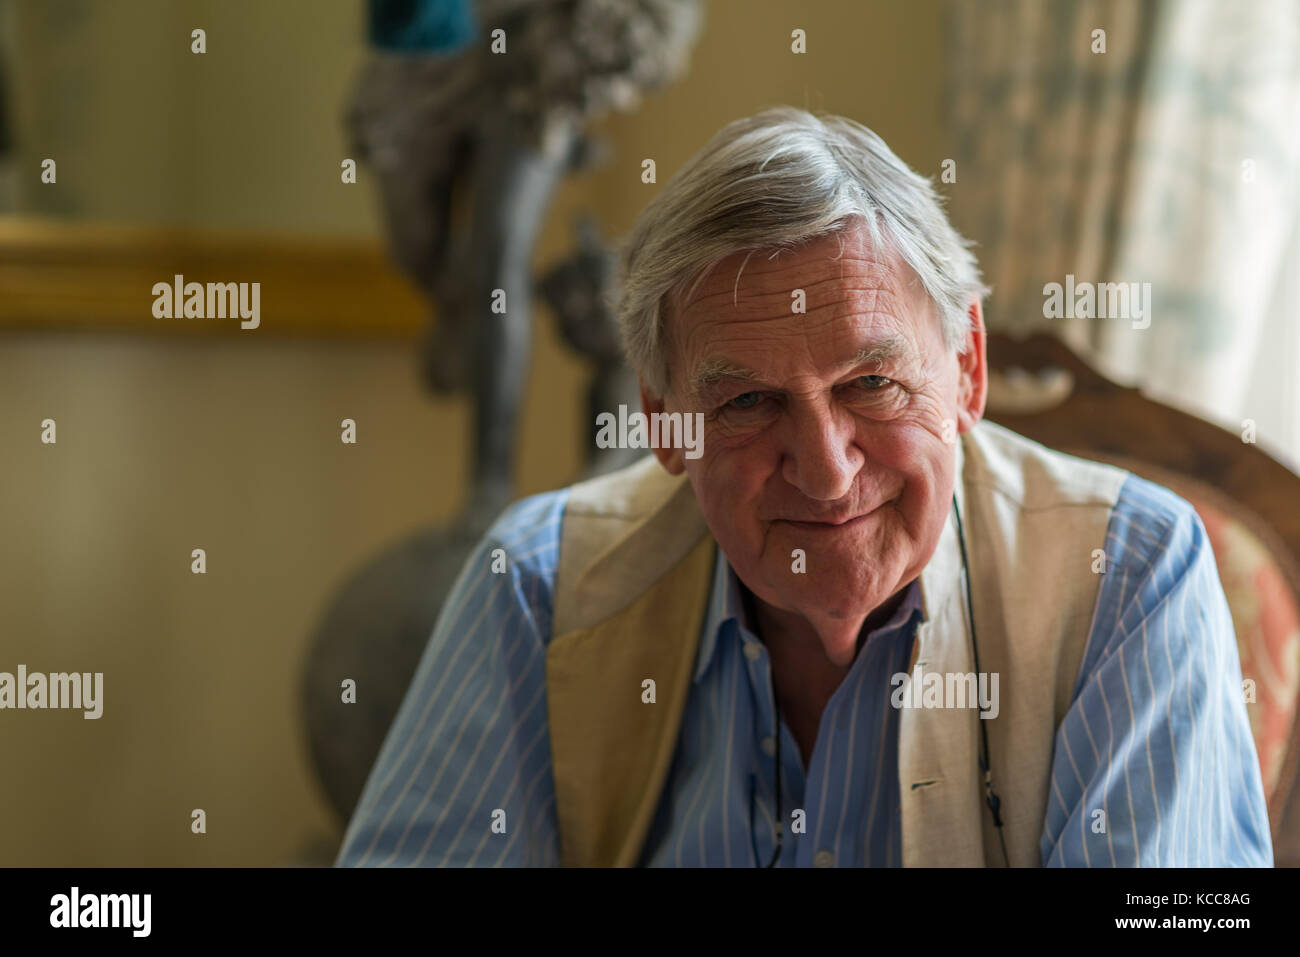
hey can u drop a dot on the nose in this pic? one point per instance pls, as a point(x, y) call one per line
point(821, 457)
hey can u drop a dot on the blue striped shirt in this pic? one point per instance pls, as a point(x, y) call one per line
point(727, 749)
point(1157, 737)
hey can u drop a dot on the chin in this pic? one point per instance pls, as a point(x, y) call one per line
point(857, 593)
point(843, 603)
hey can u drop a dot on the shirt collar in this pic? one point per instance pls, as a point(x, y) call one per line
point(726, 604)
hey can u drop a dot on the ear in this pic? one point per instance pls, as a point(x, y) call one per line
point(670, 459)
point(973, 380)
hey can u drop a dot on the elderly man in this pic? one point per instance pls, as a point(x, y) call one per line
point(862, 627)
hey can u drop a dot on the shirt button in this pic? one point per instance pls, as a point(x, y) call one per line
point(769, 746)
point(823, 859)
point(752, 651)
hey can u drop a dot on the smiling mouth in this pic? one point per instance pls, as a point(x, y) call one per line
point(833, 525)
point(829, 526)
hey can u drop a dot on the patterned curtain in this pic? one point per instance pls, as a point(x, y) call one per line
point(1171, 158)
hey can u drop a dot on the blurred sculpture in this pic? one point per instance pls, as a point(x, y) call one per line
point(577, 292)
point(469, 115)
point(501, 128)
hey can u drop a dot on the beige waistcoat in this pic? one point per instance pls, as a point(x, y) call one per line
point(631, 593)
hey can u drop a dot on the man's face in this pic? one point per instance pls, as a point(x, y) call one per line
point(828, 432)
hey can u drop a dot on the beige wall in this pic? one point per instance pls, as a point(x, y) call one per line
point(232, 444)
point(143, 130)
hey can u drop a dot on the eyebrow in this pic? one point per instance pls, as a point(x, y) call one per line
point(715, 371)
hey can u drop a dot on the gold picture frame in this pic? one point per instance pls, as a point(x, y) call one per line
point(68, 276)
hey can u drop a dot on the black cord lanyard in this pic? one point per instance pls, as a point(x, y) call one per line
point(990, 798)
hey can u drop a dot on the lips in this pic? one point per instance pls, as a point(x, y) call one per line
point(834, 522)
point(828, 524)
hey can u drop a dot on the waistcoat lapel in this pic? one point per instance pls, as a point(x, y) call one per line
point(610, 751)
point(938, 773)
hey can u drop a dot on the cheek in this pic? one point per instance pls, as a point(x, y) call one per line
point(927, 500)
point(918, 453)
point(899, 465)
point(729, 488)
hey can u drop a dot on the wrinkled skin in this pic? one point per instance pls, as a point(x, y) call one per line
point(852, 462)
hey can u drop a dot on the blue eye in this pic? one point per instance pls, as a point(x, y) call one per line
point(877, 385)
point(739, 402)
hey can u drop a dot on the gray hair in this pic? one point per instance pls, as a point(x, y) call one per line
point(773, 181)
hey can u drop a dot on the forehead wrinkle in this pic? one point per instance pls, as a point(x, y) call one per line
point(881, 269)
point(878, 288)
point(865, 295)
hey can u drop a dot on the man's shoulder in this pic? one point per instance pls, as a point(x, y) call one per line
point(626, 495)
point(524, 541)
point(529, 521)
point(1032, 477)
point(620, 533)
point(580, 551)
point(1150, 525)
point(1043, 486)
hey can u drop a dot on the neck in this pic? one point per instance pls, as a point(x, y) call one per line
point(808, 639)
point(803, 674)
